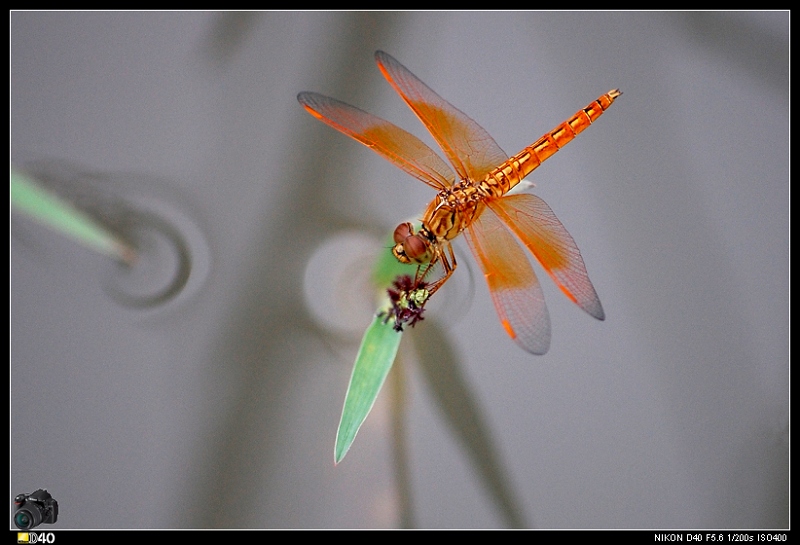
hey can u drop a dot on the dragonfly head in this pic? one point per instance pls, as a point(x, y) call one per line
point(412, 247)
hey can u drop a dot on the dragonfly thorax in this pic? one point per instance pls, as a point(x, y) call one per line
point(454, 209)
point(450, 212)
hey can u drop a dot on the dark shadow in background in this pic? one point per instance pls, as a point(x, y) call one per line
point(271, 308)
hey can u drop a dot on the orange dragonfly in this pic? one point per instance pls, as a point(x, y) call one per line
point(474, 200)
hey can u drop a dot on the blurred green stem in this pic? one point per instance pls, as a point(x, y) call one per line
point(40, 204)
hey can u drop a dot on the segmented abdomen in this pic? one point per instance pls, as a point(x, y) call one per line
point(500, 180)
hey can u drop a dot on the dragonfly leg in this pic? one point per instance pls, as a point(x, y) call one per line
point(448, 264)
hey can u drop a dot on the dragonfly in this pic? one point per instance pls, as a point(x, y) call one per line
point(473, 199)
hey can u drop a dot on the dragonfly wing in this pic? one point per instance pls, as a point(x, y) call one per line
point(515, 290)
point(390, 141)
point(470, 149)
point(539, 229)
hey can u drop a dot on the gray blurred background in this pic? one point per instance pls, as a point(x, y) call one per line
point(217, 406)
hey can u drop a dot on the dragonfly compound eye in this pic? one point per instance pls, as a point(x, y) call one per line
point(417, 248)
point(402, 232)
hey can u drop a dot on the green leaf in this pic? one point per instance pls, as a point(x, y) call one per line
point(375, 357)
point(42, 205)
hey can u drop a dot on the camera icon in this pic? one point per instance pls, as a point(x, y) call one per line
point(34, 509)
